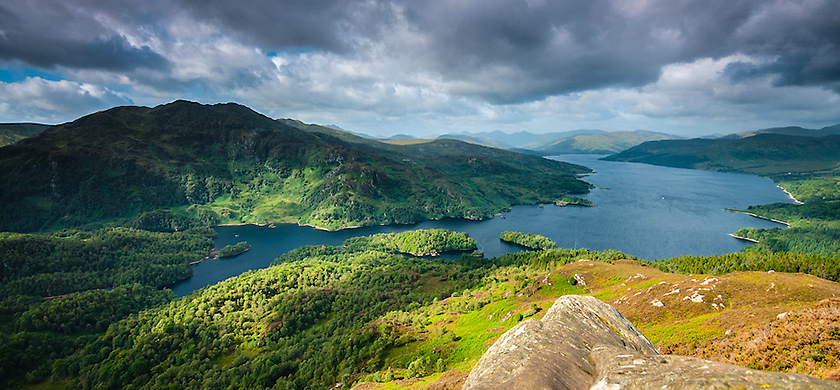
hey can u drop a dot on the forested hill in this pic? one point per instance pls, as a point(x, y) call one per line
point(225, 163)
point(763, 154)
point(790, 130)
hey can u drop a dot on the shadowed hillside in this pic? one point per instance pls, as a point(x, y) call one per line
point(228, 164)
point(13, 132)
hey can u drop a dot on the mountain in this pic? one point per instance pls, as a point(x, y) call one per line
point(401, 136)
point(763, 154)
point(477, 140)
point(790, 130)
point(226, 163)
point(518, 140)
point(606, 143)
point(13, 132)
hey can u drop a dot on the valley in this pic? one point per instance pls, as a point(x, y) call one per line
point(419, 195)
point(89, 272)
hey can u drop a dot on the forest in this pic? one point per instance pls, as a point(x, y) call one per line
point(62, 290)
point(318, 316)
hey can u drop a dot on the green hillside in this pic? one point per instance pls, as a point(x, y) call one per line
point(13, 132)
point(762, 154)
point(790, 130)
point(332, 317)
point(606, 143)
point(228, 164)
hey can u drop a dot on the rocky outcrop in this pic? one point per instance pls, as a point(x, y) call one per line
point(583, 343)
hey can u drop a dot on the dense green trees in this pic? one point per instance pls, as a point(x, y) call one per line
point(318, 316)
point(303, 323)
point(58, 263)
point(532, 241)
point(234, 250)
point(56, 292)
point(820, 266)
point(814, 225)
point(430, 242)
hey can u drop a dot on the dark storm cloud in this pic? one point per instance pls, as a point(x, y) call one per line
point(568, 46)
point(275, 25)
point(802, 41)
point(501, 51)
point(49, 34)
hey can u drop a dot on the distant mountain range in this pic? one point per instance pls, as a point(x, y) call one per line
point(13, 132)
point(571, 142)
point(226, 163)
point(605, 143)
point(518, 140)
point(790, 130)
point(765, 152)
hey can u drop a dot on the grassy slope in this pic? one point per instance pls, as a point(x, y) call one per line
point(727, 312)
point(228, 164)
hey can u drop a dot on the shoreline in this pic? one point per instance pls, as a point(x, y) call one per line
point(742, 238)
point(795, 201)
point(465, 218)
point(759, 217)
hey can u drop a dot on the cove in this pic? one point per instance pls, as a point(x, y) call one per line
point(644, 210)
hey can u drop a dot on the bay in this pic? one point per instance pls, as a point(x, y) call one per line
point(644, 210)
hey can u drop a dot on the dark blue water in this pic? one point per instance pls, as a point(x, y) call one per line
point(647, 211)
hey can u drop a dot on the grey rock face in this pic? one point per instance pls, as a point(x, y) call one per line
point(583, 343)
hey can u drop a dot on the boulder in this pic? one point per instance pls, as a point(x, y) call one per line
point(583, 343)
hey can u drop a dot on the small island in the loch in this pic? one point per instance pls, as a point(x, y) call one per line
point(233, 250)
point(573, 201)
point(527, 240)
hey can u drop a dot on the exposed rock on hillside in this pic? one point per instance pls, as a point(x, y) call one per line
point(583, 343)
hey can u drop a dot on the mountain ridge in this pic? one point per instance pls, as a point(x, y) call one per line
point(763, 154)
point(605, 143)
point(226, 163)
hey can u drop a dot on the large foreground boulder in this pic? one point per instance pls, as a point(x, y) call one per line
point(583, 343)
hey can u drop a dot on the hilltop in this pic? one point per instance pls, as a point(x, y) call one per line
point(601, 349)
point(225, 163)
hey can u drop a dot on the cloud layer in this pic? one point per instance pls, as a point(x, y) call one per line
point(430, 67)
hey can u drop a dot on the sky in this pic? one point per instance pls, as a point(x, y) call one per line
point(429, 67)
